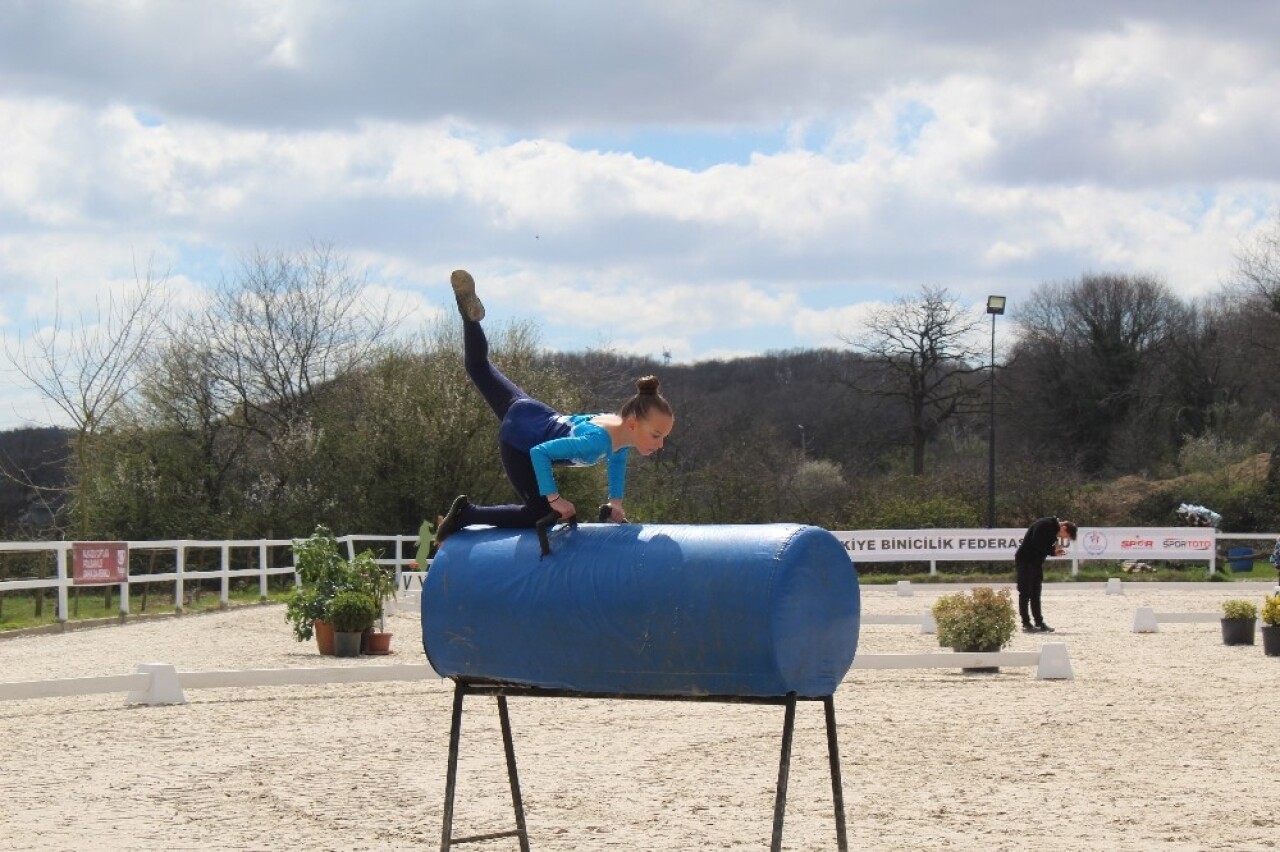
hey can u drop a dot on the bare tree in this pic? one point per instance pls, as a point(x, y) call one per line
point(287, 325)
point(242, 377)
point(87, 371)
point(1258, 266)
point(925, 348)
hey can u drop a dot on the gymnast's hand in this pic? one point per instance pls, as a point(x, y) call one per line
point(561, 505)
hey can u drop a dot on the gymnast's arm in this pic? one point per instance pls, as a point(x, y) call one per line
point(572, 448)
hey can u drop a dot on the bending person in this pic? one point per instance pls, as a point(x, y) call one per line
point(533, 437)
point(1044, 538)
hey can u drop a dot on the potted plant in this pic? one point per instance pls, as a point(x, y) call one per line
point(352, 612)
point(1238, 619)
point(322, 574)
point(1271, 626)
point(374, 580)
point(982, 620)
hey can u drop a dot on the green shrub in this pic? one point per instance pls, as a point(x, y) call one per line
point(353, 611)
point(1239, 608)
point(982, 619)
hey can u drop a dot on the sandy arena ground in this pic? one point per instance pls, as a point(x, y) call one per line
point(1163, 741)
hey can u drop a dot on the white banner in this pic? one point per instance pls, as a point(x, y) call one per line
point(1138, 543)
point(980, 545)
point(915, 545)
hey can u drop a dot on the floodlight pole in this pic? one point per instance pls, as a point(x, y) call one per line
point(995, 305)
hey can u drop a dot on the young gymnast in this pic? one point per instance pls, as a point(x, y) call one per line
point(533, 436)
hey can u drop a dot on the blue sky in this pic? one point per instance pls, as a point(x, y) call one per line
point(708, 179)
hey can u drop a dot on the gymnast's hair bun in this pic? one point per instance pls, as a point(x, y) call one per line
point(647, 386)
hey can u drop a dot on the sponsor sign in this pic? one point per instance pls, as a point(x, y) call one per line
point(915, 545)
point(1136, 543)
point(976, 545)
point(100, 562)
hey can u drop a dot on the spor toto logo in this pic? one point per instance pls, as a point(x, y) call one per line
point(1095, 543)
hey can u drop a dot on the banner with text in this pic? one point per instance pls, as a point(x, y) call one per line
point(974, 545)
point(99, 562)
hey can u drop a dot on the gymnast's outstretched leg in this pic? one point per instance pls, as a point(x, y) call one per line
point(499, 393)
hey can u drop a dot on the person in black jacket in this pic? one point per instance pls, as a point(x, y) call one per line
point(1044, 538)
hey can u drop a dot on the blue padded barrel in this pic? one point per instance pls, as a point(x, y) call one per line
point(631, 609)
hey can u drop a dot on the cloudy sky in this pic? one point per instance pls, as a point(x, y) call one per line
point(705, 179)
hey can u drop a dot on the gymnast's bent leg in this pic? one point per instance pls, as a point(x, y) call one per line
point(515, 516)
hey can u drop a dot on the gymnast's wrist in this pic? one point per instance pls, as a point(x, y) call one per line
point(551, 498)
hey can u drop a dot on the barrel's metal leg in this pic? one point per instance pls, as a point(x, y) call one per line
point(510, 749)
point(837, 790)
point(784, 768)
point(451, 778)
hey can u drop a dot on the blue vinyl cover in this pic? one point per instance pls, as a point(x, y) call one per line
point(750, 610)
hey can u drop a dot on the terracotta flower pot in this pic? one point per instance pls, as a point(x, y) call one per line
point(376, 643)
point(324, 637)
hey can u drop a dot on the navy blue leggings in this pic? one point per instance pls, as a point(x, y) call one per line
point(500, 392)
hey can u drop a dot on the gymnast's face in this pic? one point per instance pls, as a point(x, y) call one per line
point(649, 433)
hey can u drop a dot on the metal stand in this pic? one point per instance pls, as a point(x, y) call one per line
point(464, 688)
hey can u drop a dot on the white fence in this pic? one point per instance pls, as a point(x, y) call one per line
point(400, 558)
point(161, 683)
point(178, 552)
point(1147, 620)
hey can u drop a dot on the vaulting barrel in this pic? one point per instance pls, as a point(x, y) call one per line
point(632, 609)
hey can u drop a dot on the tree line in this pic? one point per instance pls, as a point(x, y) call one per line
point(287, 400)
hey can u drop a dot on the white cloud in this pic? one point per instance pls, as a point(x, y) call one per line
point(902, 149)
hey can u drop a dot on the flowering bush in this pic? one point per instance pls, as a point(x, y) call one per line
point(1271, 611)
point(1239, 608)
point(983, 619)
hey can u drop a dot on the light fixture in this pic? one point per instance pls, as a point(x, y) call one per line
point(995, 304)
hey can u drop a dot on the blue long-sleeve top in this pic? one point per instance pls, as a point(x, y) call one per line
point(586, 444)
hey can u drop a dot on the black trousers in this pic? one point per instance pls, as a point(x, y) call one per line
point(502, 395)
point(1030, 582)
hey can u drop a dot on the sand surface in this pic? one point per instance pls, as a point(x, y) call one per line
point(1163, 741)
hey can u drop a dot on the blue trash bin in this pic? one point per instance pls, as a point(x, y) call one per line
point(1241, 558)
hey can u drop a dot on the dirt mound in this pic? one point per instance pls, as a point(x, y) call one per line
point(1116, 500)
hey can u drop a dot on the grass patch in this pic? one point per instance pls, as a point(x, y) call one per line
point(18, 610)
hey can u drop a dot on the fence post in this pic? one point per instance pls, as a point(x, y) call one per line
point(225, 567)
point(180, 555)
point(62, 582)
point(262, 569)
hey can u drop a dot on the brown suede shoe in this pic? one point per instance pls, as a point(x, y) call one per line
point(464, 290)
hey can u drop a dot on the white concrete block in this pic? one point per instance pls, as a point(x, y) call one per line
point(165, 687)
point(1144, 620)
point(904, 589)
point(1054, 663)
point(1115, 586)
point(927, 624)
